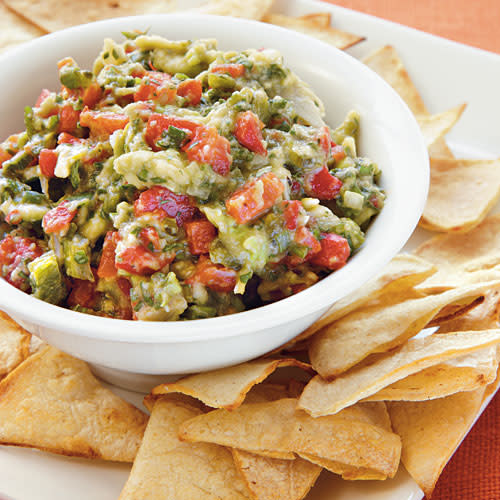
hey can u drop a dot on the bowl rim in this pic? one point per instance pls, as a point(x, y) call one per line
point(305, 303)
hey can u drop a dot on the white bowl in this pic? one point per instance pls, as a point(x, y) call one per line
point(389, 135)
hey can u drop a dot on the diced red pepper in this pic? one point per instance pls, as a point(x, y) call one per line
point(207, 146)
point(65, 138)
point(291, 213)
point(200, 233)
point(338, 152)
point(47, 162)
point(83, 294)
point(255, 198)
point(107, 268)
point(41, 98)
point(334, 252)
point(162, 202)
point(16, 252)
point(150, 239)
point(190, 90)
point(235, 70)
point(58, 219)
point(322, 184)
point(68, 118)
point(304, 238)
point(214, 276)
point(157, 124)
point(91, 95)
point(102, 123)
point(156, 87)
point(248, 132)
point(141, 261)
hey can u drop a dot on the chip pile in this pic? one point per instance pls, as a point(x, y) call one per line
point(366, 387)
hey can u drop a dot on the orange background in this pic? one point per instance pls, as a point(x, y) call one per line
point(473, 22)
point(474, 471)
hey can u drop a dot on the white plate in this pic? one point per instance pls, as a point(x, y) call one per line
point(447, 74)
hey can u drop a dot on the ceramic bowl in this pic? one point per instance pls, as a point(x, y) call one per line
point(389, 135)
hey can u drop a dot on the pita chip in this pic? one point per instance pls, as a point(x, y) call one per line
point(465, 373)
point(14, 344)
point(166, 467)
point(53, 402)
point(15, 30)
point(51, 15)
point(340, 39)
point(431, 431)
point(434, 127)
point(463, 257)
point(447, 209)
point(383, 326)
point(327, 398)
point(387, 63)
point(227, 387)
point(278, 426)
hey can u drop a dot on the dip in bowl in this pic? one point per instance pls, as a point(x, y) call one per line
point(256, 208)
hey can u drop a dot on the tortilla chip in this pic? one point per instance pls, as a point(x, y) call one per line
point(278, 426)
point(327, 398)
point(53, 402)
point(434, 127)
point(340, 39)
point(274, 479)
point(387, 63)
point(227, 387)
point(463, 257)
point(431, 431)
point(380, 327)
point(323, 19)
point(255, 9)
point(447, 209)
point(482, 317)
point(403, 272)
point(14, 30)
point(14, 344)
point(51, 15)
point(168, 468)
point(465, 373)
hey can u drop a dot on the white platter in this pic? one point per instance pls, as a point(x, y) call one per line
point(447, 74)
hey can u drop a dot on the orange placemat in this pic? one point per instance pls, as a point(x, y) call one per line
point(474, 473)
point(473, 22)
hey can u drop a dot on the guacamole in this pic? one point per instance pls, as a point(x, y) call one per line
point(177, 181)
